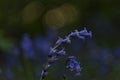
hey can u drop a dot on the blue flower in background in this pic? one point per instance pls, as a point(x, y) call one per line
point(42, 45)
point(14, 50)
point(104, 54)
point(33, 48)
point(27, 46)
point(9, 74)
point(116, 53)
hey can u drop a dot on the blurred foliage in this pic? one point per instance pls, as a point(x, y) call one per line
point(5, 43)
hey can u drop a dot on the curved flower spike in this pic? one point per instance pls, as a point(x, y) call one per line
point(55, 52)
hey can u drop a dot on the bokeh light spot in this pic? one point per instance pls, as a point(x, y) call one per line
point(61, 16)
point(32, 12)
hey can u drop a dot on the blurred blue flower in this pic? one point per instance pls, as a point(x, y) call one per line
point(104, 54)
point(116, 53)
point(41, 44)
point(8, 73)
point(14, 51)
point(12, 57)
point(27, 46)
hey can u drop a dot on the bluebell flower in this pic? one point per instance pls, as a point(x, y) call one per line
point(73, 65)
point(26, 45)
point(60, 40)
point(67, 40)
point(85, 33)
point(81, 34)
point(78, 35)
point(71, 34)
point(61, 52)
point(52, 52)
point(56, 52)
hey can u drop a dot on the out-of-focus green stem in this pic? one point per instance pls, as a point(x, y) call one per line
point(28, 69)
